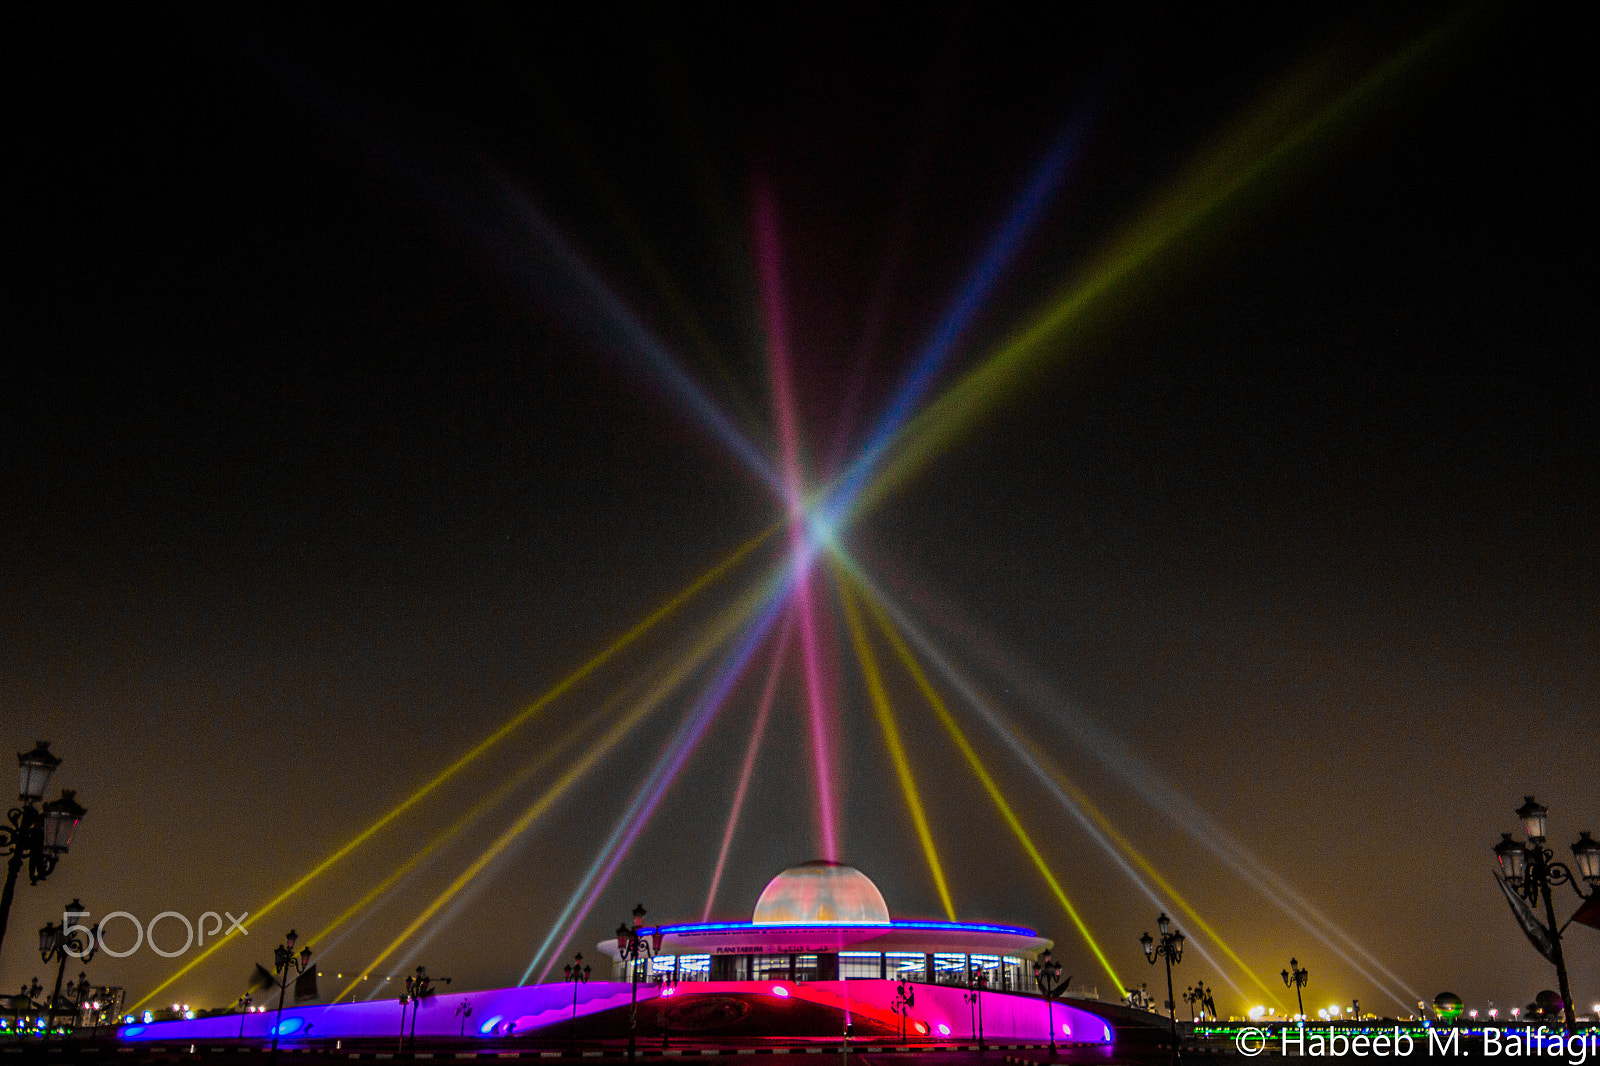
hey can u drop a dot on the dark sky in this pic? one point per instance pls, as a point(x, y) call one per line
point(314, 469)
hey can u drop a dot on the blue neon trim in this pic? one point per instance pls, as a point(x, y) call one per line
point(751, 927)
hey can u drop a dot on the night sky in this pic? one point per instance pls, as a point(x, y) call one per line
point(315, 466)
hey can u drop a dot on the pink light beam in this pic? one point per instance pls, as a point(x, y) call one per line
point(763, 710)
point(768, 267)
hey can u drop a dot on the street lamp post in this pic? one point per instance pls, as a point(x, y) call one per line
point(418, 986)
point(576, 971)
point(56, 943)
point(284, 961)
point(631, 946)
point(244, 1011)
point(977, 984)
point(1200, 1003)
point(1047, 976)
point(81, 989)
point(1170, 948)
point(905, 997)
point(1531, 870)
point(1296, 977)
point(27, 994)
point(34, 834)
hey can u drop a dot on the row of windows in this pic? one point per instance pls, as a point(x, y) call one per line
point(1005, 973)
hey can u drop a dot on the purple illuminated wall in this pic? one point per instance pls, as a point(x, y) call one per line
point(522, 1011)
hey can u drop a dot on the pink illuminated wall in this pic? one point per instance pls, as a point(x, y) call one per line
point(1007, 1017)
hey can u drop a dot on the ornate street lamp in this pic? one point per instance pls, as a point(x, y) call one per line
point(33, 835)
point(1530, 869)
point(81, 991)
point(418, 986)
point(284, 961)
point(1169, 948)
point(905, 997)
point(577, 972)
point(977, 985)
point(1296, 977)
point(1047, 977)
point(631, 947)
point(56, 943)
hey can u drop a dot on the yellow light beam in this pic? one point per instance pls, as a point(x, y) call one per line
point(960, 738)
point(518, 720)
point(1266, 138)
point(731, 620)
point(1127, 847)
point(479, 809)
point(891, 740)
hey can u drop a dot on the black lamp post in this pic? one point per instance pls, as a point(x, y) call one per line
point(1296, 977)
point(81, 991)
point(285, 962)
point(905, 997)
point(418, 986)
point(1047, 976)
point(1531, 870)
point(27, 994)
point(33, 834)
point(576, 971)
point(1170, 948)
point(56, 943)
point(244, 1010)
point(631, 946)
point(977, 984)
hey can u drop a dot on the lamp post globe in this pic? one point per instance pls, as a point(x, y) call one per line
point(1586, 854)
point(31, 835)
point(34, 770)
point(1513, 859)
point(1531, 870)
point(1533, 813)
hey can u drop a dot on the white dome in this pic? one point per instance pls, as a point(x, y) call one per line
point(820, 892)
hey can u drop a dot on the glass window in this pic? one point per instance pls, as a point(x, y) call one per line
point(860, 964)
point(950, 969)
point(694, 967)
point(906, 965)
point(771, 967)
point(805, 967)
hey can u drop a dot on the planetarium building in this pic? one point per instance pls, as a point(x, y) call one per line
point(822, 921)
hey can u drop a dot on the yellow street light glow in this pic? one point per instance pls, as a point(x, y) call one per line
point(891, 740)
point(514, 723)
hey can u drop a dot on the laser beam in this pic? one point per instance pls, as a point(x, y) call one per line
point(1267, 138)
point(891, 740)
point(517, 721)
point(660, 778)
point(731, 620)
point(757, 731)
point(783, 403)
point(958, 736)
